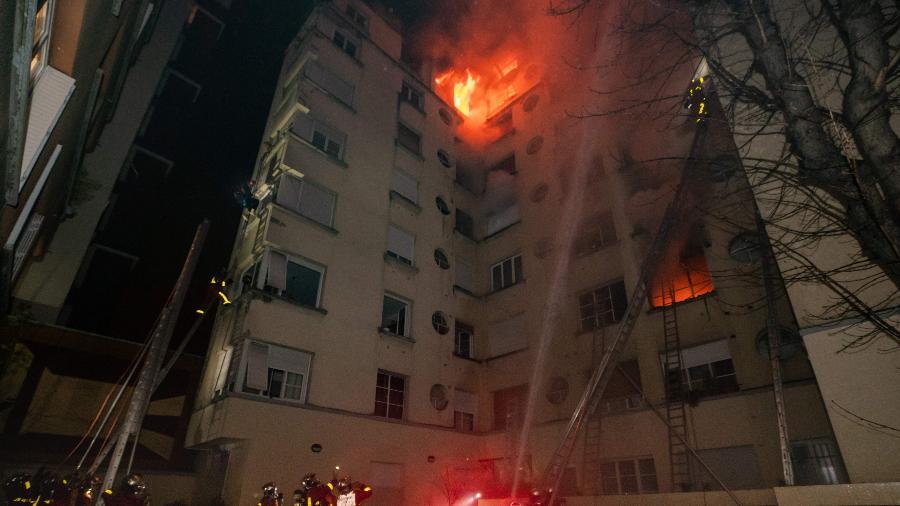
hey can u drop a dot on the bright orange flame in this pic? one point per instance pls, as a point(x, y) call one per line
point(463, 89)
point(691, 280)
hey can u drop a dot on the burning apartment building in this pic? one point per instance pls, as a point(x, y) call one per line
point(442, 254)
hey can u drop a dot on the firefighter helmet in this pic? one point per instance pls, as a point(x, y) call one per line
point(309, 481)
point(345, 485)
point(135, 485)
point(270, 490)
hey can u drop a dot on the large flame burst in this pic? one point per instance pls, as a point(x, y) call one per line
point(463, 88)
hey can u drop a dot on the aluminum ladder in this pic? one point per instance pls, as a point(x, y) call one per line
point(673, 379)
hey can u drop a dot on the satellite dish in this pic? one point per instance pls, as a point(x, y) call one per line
point(790, 345)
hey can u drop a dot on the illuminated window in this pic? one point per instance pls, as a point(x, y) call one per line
point(395, 316)
point(412, 96)
point(400, 245)
point(409, 139)
point(389, 395)
point(275, 372)
point(506, 273)
point(596, 233)
point(40, 48)
point(603, 306)
point(687, 279)
point(630, 476)
point(464, 337)
point(346, 43)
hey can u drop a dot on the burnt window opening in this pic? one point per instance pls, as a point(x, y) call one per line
point(507, 165)
point(465, 225)
point(602, 306)
point(440, 258)
point(442, 205)
point(685, 279)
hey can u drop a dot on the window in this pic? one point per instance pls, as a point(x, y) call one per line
point(409, 139)
point(444, 158)
point(412, 96)
point(601, 307)
point(509, 406)
point(507, 336)
point(40, 49)
point(506, 273)
point(389, 393)
point(557, 390)
point(707, 369)
point(346, 43)
point(620, 395)
point(306, 198)
point(507, 165)
point(689, 279)
point(596, 233)
point(395, 316)
point(440, 258)
point(464, 408)
point(442, 205)
point(439, 322)
point(503, 218)
point(325, 138)
point(463, 342)
point(400, 245)
point(275, 372)
point(465, 224)
point(357, 17)
point(293, 278)
point(405, 185)
point(817, 462)
point(631, 476)
point(328, 81)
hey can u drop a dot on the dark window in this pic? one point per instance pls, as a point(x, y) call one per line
point(412, 96)
point(506, 273)
point(603, 306)
point(817, 462)
point(389, 392)
point(344, 42)
point(442, 205)
point(465, 224)
point(463, 341)
point(440, 258)
point(302, 284)
point(439, 322)
point(409, 139)
point(463, 422)
point(357, 17)
point(395, 316)
point(632, 476)
point(713, 378)
point(507, 165)
point(444, 158)
point(509, 406)
point(596, 233)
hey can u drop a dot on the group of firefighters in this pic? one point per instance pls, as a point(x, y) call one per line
point(312, 492)
point(45, 488)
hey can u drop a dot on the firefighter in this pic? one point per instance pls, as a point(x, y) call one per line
point(346, 492)
point(18, 489)
point(271, 496)
point(540, 497)
point(311, 492)
point(132, 493)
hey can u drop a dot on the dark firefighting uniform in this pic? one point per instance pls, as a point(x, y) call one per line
point(357, 495)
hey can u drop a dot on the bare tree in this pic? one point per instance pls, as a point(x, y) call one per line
point(809, 89)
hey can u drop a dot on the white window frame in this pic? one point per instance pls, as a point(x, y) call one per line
point(407, 315)
point(401, 255)
point(704, 355)
point(638, 475)
point(516, 277)
point(387, 401)
point(598, 317)
point(41, 47)
point(470, 330)
point(301, 370)
point(407, 91)
point(317, 129)
point(263, 275)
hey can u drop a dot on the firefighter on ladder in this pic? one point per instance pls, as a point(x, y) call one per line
point(311, 492)
point(346, 492)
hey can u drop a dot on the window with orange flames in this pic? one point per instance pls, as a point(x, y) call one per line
point(689, 279)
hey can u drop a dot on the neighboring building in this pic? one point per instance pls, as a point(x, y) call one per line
point(391, 288)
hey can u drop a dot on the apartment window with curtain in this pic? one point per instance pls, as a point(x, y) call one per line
point(275, 372)
point(293, 278)
point(306, 198)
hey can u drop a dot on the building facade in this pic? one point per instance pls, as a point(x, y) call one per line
point(400, 284)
